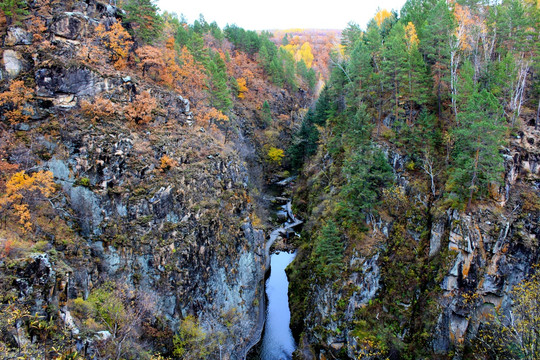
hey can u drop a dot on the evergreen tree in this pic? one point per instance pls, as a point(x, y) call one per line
point(266, 114)
point(395, 66)
point(477, 161)
point(328, 252)
point(367, 172)
point(436, 33)
point(217, 86)
point(146, 23)
point(374, 43)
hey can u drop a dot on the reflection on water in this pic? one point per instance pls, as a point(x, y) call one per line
point(278, 342)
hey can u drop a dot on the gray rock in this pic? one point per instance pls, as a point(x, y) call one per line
point(22, 127)
point(13, 63)
point(17, 36)
point(61, 81)
point(435, 239)
point(69, 25)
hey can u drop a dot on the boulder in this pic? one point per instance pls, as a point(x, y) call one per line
point(13, 63)
point(69, 25)
point(17, 36)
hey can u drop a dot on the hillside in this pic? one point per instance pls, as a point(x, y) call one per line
point(133, 152)
point(420, 181)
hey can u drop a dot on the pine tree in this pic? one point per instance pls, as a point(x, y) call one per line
point(367, 172)
point(218, 87)
point(395, 65)
point(266, 113)
point(328, 252)
point(436, 33)
point(146, 23)
point(477, 161)
point(14, 10)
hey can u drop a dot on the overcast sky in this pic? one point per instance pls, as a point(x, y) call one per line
point(281, 14)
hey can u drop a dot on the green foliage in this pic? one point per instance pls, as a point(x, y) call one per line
point(190, 341)
point(479, 136)
point(328, 250)
point(366, 172)
point(246, 41)
point(309, 75)
point(218, 83)
point(14, 9)
point(144, 19)
point(107, 307)
point(266, 114)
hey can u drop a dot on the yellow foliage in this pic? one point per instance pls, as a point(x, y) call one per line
point(275, 155)
point(381, 16)
point(306, 54)
point(291, 48)
point(21, 188)
point(242, 88)
point(411, 36)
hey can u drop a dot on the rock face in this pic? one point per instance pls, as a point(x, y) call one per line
point(480, 256)
point(181, 236)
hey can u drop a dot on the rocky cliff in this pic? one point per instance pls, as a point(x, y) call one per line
point(427, 276)
point(149, 229)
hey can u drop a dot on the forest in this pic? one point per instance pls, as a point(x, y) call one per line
point(421, 117)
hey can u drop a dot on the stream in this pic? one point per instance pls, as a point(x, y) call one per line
point(277, 342)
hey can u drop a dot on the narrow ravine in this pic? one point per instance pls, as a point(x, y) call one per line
point(276, 341)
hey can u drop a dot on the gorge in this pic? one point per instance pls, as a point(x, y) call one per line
point(160, 181)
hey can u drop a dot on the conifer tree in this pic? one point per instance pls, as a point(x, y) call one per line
point(329, 249)
point(479, 136)
point(146, 23)
point(218, 87)
point(436, 32)
point(13, 9)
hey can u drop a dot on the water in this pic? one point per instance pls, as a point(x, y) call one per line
point(278, 342)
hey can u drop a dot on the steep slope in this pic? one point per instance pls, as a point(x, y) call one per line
point(127, 199)
point(422, 205)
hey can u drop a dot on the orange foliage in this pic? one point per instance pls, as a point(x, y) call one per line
point(140, 110)
point(21, 189)
point(151, 57)
point(118, 41)
point(465, 22)
point(39, 28)
point(100, 109)
point(191, 76)
point(171, 73)
point(16, 100)
point(167, 163)
point(206, 116)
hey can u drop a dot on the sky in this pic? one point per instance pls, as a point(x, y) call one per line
point(281, 14)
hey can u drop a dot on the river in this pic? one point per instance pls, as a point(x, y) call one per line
point(277, 342)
